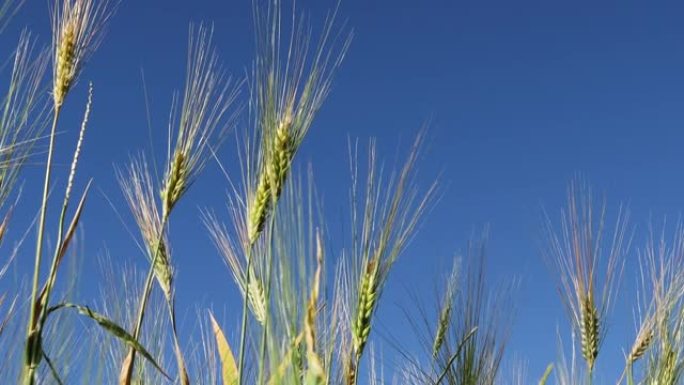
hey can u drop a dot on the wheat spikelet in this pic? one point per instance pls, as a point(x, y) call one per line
point(578, 251)
point(445, 312)
point(368, 294)
point(138, 190)
point(590, 338)
point(641, 345)
point(289, 91)
point(257, 297)
point(163, 271)
point(227, 247)
point(65, 57)
point(258, 209)
point(389, 213)
point(175, 183)
point(77, 27)
point(442, 326)
point(202, 116)
point(271, 179)
point(283, 153)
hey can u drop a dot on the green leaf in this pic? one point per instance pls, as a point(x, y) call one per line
point(114, 329)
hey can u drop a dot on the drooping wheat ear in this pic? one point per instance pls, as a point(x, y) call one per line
point(138, 190)
point(202, 119)
point(228, 248)
point(590, 336)
point(581, 258)
point(291, 84)
point(445, 312)
point(76, 33)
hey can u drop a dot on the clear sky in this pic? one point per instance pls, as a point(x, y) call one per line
point(521, 96)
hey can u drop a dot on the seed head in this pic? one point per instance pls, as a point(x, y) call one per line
point(590, 336)
point(77, 27)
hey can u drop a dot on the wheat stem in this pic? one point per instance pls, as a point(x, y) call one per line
point(62, 217)
point(264, 331)
point(243, 328)
point(32, 354)
point(127, 369)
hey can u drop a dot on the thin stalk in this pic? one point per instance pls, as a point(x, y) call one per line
point(147, 290)
point(264, 331)
point(53, 265)
point(267, 294)
point(179, 355)
point(243, 328)
point(455, 355)
point(149, 280)
point(630, 376)
point(30, 353)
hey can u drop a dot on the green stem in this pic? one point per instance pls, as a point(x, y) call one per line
point(149, 280)
point(53, 266)
point(264, 331)
point(32, 352)
point(267, 295)
point(182, 370)
point(243, 328)
point(630, 376)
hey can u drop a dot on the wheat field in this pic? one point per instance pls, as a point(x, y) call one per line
point(308, 297)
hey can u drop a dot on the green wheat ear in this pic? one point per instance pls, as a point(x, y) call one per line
point(368, 295)
point(590, 337)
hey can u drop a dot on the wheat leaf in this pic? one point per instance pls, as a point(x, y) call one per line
point(114, 329)
point(74, 223)
point(229, 370)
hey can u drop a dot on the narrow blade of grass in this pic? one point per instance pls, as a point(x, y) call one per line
point(229, 371)
point(114, 329)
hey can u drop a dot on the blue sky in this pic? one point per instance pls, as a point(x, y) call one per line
point(520, 95)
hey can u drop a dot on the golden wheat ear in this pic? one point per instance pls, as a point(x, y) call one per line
point(77, 27)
